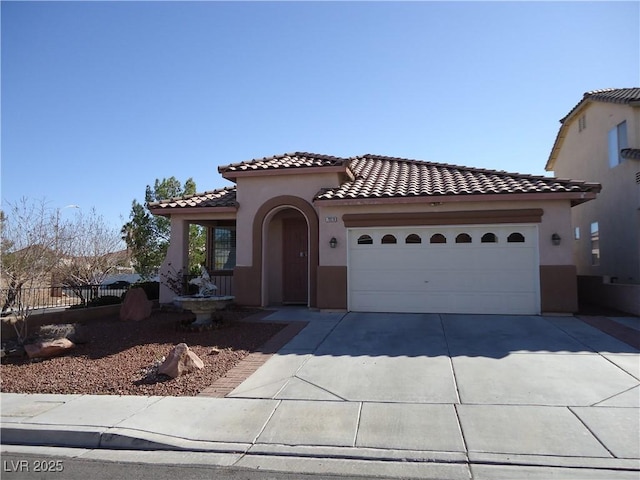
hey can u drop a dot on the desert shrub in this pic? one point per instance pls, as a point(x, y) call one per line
point(152, 289)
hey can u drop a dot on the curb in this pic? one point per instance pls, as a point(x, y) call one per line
point(97, 438)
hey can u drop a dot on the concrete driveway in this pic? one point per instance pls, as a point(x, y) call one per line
point(525, 385)
point(440, 358)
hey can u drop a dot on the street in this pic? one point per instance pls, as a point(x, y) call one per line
point(31, 467)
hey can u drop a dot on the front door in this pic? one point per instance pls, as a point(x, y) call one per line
point(295, 260)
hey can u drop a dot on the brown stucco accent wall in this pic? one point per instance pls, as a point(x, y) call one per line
point(558, 288)
point(332, 287)
point(466, 217)
point(248, 280)
point(246, 285)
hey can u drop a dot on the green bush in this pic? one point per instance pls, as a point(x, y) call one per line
point(99, 302)
point(152, 289)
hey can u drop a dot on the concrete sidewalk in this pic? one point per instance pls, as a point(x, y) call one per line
point(336, 400)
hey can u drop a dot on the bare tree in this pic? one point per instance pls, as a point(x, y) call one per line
point(95, 251)
point(33, 240)
point(38, 245)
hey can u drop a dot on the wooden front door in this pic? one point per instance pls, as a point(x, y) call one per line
point(295, 260)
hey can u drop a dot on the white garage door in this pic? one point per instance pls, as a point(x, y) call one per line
point(468, 269)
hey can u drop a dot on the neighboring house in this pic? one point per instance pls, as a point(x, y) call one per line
point(373, 233)
point(599, 141)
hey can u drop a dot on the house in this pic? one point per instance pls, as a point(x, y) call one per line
point(599, 140)
point(375, 233)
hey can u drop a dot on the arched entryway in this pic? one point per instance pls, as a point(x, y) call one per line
point(286, 263)
point(286, 237)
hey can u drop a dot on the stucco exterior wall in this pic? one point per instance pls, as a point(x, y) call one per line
point(253, 192)
point(584, 155)
point(556, 219)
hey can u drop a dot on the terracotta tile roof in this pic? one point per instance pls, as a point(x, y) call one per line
point(630, 153)
point(611, 95)
point(375, 176)
point(386, 177)
point(288, 160)
point(223, 197)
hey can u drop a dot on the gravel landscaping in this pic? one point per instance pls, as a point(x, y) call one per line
point(121, 358)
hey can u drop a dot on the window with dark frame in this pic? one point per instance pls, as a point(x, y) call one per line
point(365, 240)
point(515, 237)
point(388, 240)
point(489, 238)
point(595, 244)
point(223, 248)
point(463, 238)
point(413, 238)
point(438, 238)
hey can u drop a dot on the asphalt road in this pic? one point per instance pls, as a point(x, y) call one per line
point(30, 467)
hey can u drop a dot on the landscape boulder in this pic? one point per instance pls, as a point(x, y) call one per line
point(136, 305)
point(180, 360)
point(49, 348)
point(72, 331)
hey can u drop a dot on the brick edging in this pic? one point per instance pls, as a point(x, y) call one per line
point(620, 332)
point(249, 364)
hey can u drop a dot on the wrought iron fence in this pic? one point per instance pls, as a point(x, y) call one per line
point(38, 298)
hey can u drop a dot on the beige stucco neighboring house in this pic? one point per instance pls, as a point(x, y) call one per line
point(374, 233)
point(599, 141)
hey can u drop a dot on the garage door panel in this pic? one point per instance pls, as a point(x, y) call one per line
point(442, 303)
point(390, 280)
point(475, 277)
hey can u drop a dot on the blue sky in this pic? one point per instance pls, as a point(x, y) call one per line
point(101, 98)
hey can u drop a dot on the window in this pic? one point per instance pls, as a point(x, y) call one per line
point(489, 238)
point(365, 240)
point(515, 237)
point(463, 238)
point(413, 238)
point(582, 123)
point(388, 239)
point(438, 238)
point(576, 233)
point(223, 248)
point(617, 141)
point(595, 244)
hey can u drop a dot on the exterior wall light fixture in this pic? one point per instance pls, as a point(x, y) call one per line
point(333, 242)
point(555, 239)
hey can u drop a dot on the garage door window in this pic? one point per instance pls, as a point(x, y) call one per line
point(489, 238)
point(463, 238)
point(438, 238)
point(515, 237)
point(365, 240)
point(413, 238)
point(389, 239)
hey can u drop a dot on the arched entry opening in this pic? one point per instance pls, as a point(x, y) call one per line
point(286, 263)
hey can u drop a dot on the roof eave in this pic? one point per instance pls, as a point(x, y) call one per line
point(168, 211)
point(235, 174)
point(575, 197)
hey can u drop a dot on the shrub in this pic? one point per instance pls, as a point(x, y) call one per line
point(152, 289)
point(99, 302)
